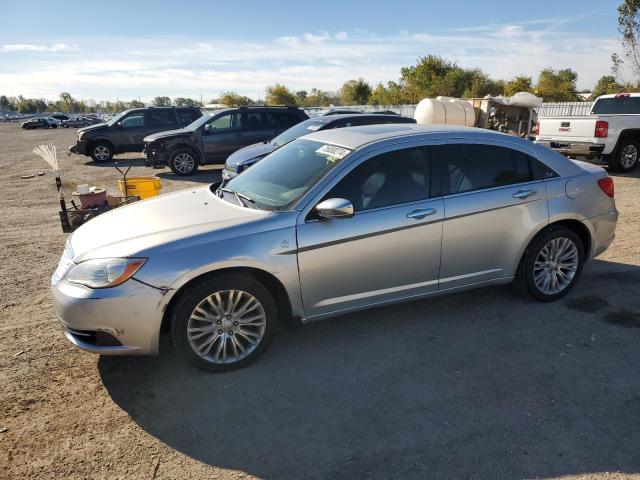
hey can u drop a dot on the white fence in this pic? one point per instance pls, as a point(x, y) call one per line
point(564, 109)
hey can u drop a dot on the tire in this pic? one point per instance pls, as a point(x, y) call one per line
point(530, 277)
point(54, 126)
point(102, 152)
point(64, 125)
point(183, 162)
point(227, 334)
point(626, 157)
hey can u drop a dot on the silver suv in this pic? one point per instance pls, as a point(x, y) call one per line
point(332, 222)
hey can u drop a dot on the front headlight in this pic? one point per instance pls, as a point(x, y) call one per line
point(80, 135)
point(104, 272)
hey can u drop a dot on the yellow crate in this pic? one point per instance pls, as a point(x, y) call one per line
point(143, 187)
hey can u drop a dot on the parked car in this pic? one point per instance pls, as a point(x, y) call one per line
point(611, 132)
point(212, 138)
point(247, 156)
point(335, 221)
point(41, 122)
point(77, 122)
point(125, 132)
point(60, 117)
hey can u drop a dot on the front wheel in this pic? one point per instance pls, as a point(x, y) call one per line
point(223, 323)
point(551, 265)
point(101, 152)
point(627, 156)
point(183, 162)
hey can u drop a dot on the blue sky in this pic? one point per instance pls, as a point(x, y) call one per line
point(131, 49)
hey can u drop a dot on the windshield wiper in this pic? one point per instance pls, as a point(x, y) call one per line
point(239, 196)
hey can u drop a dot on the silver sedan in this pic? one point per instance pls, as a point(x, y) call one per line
point(333, 222)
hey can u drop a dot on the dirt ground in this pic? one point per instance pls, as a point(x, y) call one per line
point(484, 384)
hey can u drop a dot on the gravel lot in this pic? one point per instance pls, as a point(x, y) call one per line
point(483, 384)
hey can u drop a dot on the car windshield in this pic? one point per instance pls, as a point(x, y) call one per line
point(287, 174)
point(302, 128)
point(117, 118)
point(198, 122)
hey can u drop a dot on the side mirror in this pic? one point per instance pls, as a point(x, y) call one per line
point(335, 208)
point(120, 125)
point(209, 128)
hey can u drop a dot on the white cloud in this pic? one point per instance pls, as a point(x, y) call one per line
point(30, 47)
point(194, 66)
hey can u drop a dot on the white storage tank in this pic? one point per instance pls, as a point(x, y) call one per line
point(445, 111)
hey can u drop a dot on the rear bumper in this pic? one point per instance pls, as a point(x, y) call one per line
point(582, 149)
point(604, 228)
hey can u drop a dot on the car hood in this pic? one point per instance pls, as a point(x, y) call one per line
point(168, 133)
point(139, 227)
point(91, 128)
point(250, 153)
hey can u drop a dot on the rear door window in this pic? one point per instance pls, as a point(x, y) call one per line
point(185, 117)
point(255, 121)
point(470, 167)
point(160, 118)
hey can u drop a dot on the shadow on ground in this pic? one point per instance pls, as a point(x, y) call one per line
point(484, 384)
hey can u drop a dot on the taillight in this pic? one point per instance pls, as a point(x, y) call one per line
point(536, 129)
point(602, 129)
point(606, 185)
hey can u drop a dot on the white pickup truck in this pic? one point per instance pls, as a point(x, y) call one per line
point(611, 132)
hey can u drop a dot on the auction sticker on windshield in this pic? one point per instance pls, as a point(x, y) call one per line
point(335, 153)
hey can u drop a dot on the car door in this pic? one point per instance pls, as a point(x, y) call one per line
point(223, 137)
point(493, 201)
point(130, 132)
point(389, 249)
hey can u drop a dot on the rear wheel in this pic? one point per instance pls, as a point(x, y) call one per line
point(101, 152)
point(626, 157)
point(551, 265)
point(223, 323)
point(183, 162)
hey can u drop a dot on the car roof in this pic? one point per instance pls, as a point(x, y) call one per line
point(357, 137)
point(356, 116)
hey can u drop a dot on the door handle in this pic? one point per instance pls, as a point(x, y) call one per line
point(522, 194)
point(421, 213)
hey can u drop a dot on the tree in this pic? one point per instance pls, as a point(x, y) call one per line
point(135, 104)
point(301, 97)
point(629, 28)
point(478, 84)
point(521, 83)
point(393, 94)
point(185, 102)
point(430, 77)
point(607, 84)
point(355, 92)
point(233, 99)
point(278, 94)
point(557, 86)
point(6, 104)
point(162, 102)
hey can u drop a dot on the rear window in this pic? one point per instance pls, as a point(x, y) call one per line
point(617, 105)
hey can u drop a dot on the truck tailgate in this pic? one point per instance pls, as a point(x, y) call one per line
point(573, 129)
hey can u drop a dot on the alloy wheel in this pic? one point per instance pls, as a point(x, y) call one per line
point(101, 152)
point(226, 326)
point(184, 163)
point(629, 156)
point(556, 265)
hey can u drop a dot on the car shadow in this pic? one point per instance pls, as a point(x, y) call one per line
point(123, 163)
point(482, 384)
point(206, 174)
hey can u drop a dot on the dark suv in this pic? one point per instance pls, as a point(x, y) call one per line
point(212, 138)
point(125, 132)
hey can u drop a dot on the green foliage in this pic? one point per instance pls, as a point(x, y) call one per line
point(520, 83)
point(162, 102)
point(557, 86)
point(607, 84)
point(393, 94)
point(629, 28)
point(186, 102)
point(355, 92)
point(278, 94)
point(233, 99)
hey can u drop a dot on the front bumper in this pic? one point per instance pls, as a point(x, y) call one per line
point(581, 149)
point(124, 320)
point(80, 148)
point(153, 157)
